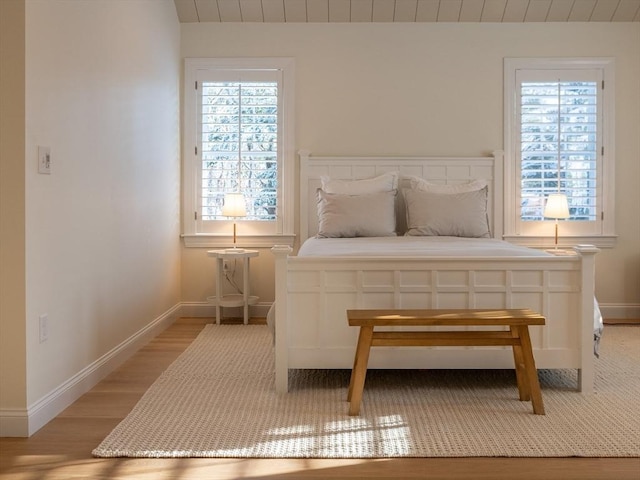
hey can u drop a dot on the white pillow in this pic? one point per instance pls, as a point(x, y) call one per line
point(451, 214)
point(371, 215)
point(386, 182)
point(421, 184)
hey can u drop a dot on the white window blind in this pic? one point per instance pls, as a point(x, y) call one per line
point(239, 138)
point(559, 138)
point(239, 142)
point(559, 144)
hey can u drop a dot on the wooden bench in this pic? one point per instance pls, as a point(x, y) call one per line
point(518, 321)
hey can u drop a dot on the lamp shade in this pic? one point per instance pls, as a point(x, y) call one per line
point(557, 206)
point(234, 205)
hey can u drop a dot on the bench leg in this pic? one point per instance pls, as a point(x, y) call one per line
point(359, 372)
point(530, 369)
point(521, 374)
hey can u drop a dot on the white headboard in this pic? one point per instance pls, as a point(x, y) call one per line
point(442, 170)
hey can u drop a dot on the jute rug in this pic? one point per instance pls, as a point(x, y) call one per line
point(218, 400)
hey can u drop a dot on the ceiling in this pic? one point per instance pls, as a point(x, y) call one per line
point(308, 11)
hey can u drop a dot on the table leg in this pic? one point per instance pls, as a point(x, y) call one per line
point(219, 286)
point(245, 288)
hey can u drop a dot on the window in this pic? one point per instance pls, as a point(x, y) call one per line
point(559, 139)
point(238, 139)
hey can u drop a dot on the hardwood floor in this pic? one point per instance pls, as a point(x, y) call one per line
point(62, 449)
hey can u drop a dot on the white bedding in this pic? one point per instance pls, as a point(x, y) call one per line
point(415, 247)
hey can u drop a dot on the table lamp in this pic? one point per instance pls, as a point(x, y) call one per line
point(234, 206)
point(556, 207)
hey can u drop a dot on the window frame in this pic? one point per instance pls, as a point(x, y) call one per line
point(283, 227)
point(543, 235)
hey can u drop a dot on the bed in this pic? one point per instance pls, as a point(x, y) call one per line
point(368, 241)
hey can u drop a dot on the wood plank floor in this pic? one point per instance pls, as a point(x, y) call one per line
point(62, 448)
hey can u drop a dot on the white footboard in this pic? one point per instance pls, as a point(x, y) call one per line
point(313, 294)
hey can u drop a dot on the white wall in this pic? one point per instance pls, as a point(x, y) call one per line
point(13, 365)
point(102, 231)
point(420, 89)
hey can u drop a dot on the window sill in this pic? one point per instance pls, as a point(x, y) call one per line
point(600, 241)
point(209, 240)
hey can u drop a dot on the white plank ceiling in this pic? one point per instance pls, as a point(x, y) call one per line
point(517, 11)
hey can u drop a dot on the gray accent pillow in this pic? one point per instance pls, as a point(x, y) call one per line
point(371, 215)
point(456, 214)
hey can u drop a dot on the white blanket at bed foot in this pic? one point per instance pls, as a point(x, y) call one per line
point(598, 327)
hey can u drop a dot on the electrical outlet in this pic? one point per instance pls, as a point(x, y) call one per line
point(44, 160)
point(44, 328)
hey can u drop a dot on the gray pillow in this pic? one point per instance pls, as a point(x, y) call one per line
point(422, 184)
point(456, 214)
point(371, 215)
point(386, 182)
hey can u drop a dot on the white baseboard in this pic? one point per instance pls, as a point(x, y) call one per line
point(206, 309)
point(14, 422)
point(25, 422)
point(620, 311)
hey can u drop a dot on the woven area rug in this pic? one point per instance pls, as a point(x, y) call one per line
point(218, 400)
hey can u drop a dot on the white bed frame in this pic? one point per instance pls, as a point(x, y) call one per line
point(312, 294)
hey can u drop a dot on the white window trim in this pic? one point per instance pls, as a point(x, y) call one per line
point(191, 167)
point(607, 237)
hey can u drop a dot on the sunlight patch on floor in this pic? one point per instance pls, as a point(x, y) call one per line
point(391, 433)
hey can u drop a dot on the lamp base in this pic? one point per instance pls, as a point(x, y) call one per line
point(234, 250)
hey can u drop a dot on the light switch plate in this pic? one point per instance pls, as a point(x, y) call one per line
point(44, 160)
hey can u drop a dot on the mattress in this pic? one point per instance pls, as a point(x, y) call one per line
point(410, 246)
